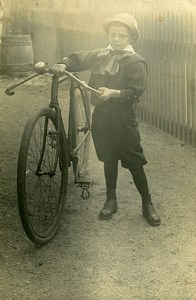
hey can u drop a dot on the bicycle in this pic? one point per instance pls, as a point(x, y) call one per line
point(46, 152)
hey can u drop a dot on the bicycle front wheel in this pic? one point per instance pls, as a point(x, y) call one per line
point(80, 129)
point(42, 176)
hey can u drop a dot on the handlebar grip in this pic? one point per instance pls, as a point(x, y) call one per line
point(9, 91)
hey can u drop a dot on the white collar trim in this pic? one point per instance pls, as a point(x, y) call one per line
point(129, 48)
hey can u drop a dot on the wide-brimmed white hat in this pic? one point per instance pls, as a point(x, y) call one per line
point(127, 20)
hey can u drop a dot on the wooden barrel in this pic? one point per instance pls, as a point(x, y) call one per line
point(16, 55)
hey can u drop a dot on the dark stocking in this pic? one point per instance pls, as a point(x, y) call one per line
point(111, 174)
point(140, 180)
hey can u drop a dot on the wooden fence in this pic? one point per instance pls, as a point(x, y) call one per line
point(169, 46)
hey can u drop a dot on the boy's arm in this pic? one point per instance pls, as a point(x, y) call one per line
point(81, 60)
point(136, 81)
point(76, 62)
point(136, 77)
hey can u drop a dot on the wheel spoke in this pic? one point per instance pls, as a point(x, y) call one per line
point(45, 182)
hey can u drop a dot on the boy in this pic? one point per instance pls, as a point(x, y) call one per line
point(121, 74)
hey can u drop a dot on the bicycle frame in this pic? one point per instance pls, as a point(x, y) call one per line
point(55, 104)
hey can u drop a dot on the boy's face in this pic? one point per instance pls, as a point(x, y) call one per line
point(119, 36)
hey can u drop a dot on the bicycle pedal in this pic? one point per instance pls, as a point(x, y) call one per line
point(85, 185)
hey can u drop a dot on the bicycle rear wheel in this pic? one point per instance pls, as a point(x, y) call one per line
point(42, 176)
point(80, 119)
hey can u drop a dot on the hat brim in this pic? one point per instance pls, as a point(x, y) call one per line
point(133, 30)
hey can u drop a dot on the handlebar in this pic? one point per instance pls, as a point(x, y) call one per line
point(41, 69)
point(83, 83)
point(9, 91)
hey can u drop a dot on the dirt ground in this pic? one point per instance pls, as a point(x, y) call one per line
point(123, 258)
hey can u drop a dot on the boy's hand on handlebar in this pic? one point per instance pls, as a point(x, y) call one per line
point(104, 96)
point(108, 93)
point(58, 69)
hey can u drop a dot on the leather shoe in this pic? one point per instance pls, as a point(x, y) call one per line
point(149, 213)
point(110, 207)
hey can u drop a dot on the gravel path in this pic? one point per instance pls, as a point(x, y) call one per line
point(123, 258)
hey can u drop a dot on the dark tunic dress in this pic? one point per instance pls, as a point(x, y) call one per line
point(114, 128)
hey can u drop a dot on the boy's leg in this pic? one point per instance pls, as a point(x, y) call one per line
point(148, 209)
point(111, 174)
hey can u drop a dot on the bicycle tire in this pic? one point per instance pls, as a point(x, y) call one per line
point(80, 122)
point(42, 176)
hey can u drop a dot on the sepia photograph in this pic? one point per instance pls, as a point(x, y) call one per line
point(98, 149)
